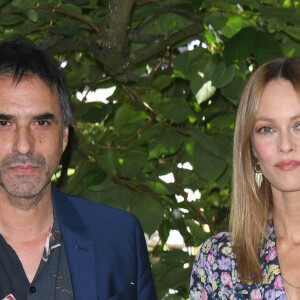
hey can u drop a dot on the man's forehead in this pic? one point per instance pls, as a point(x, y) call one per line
point(30, 95)
point(16, 78)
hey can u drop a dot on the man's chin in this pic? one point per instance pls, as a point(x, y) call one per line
point(24, 188)
point(24, 193)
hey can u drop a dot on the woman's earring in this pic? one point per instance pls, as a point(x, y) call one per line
point(258, 174)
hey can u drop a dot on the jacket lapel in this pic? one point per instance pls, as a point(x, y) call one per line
point(79, 248)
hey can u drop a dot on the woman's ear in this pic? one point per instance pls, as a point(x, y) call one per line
point(252, 147)
point(254, 151)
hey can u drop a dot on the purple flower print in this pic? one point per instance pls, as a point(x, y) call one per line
point(209, 288)
point(213, 249)
point(270, 294)
point(224, 263)
point(215, 275)
point(202, 262)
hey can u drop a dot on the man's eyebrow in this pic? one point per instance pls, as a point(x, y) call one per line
point(45, 116)
point(6, 117)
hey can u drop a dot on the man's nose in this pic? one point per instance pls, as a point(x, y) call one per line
point(23, 140)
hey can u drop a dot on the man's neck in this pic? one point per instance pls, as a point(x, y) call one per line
point(19, 222)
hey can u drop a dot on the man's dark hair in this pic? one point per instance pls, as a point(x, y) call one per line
point(20, 59)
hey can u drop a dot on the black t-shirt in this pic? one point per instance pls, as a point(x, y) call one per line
point(52, 280)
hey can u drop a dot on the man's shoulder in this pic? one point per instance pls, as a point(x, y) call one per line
point(92, 210)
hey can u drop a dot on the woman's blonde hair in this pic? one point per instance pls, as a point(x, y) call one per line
point(250, 205)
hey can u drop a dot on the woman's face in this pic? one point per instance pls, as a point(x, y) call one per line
point(276, 135)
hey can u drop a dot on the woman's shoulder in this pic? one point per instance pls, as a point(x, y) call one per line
point(215, 254)
point(214, 269)
point(217, 245)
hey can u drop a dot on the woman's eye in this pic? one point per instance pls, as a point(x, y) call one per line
point(265, 130)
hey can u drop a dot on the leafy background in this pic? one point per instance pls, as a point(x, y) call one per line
point(179, 67)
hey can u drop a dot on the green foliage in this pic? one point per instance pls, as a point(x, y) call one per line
point(173, 104)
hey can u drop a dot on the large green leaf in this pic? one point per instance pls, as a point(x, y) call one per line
point(166, 23)
point(233, 91)
point(164, 230)
point(290, 46)
point(293, 32)
point(73, 6)
point(223, 124)
point(208, 143)
point(23, 4)
point(162, 81)
point(32, 15)
point(170, 273)
point(216, 19)
point(190, 64)
point(10, 20)
point(174, 109)
point(167, 142)
point(131, 164)
point(142, 12)
point(280, 15)
point(223, 75)
point(245, 43)
point(233, 25)
point(207, 165)
point(93, 112)
point(228, 5)
point(114, 195)
point(122, 116)
point(148, 210)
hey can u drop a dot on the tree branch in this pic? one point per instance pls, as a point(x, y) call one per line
point(65, 44)
point(159, 44)
point(115, 42)
point(136, 37)
point(71, 14)
point(118, 16)
point(164, 10)
point(112, 49)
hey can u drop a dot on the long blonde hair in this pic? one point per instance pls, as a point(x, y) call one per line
point(250, 205)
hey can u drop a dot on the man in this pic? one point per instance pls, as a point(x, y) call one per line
point(53, 245)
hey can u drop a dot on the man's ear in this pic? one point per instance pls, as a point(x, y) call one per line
point(65, 137)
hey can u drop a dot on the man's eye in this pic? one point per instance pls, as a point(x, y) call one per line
point(42, 123)
point(4, 123)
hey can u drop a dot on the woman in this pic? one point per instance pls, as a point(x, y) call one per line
point(249, 262)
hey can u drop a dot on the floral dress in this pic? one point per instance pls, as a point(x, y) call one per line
point(214, 274)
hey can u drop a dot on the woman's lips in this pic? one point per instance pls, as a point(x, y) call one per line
point(288, 165)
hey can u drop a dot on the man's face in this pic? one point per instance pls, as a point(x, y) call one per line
point(32, 138)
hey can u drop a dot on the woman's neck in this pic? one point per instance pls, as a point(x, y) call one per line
point(286, 215)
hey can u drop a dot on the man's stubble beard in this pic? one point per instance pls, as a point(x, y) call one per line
point(24, 186)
